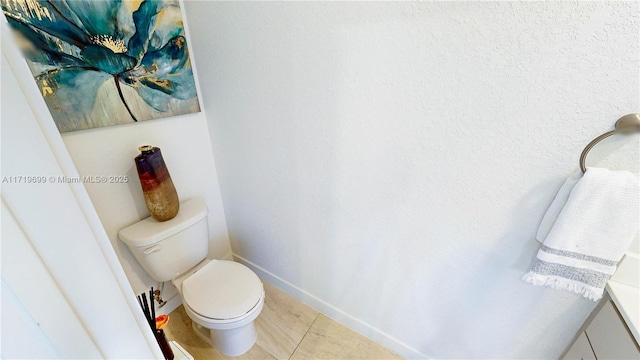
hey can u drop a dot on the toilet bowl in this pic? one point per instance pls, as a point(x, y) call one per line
point(222, 298)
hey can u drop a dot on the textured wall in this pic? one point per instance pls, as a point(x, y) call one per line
point(394, 159)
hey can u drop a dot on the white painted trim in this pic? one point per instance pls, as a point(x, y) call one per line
point(25, 278)
point(172, 303)
point(194, 68)
point(333, 312)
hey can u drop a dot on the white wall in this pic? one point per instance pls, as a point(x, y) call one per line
point(391, 161)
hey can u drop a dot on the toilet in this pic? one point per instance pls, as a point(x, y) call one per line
point(222, 298)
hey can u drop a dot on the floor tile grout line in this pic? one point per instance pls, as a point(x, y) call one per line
point(305, 335)
point(268, 352)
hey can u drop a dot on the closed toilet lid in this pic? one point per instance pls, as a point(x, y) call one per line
point(222, 290)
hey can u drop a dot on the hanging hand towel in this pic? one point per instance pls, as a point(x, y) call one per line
point(556, 206)
point(591, 233)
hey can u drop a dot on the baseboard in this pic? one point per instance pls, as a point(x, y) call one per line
point(336, 314)
point(173, 303)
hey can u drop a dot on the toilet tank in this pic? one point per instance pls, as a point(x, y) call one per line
point(168, 249)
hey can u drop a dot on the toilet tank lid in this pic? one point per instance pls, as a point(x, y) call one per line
point(150, 231)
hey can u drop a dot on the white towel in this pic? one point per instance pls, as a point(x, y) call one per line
point(556, 206)
point(597, 218)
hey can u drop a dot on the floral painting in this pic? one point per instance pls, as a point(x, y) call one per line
point(106, 62)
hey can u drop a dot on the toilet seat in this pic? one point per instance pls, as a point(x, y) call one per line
point(222, 290)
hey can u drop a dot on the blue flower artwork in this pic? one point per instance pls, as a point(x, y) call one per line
point(106, 62)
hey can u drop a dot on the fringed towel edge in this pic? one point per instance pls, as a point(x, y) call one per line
point(563, 284)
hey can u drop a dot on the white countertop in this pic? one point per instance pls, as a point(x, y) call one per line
point(624, 290)
point(627, 300)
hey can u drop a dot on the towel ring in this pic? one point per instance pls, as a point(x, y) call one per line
point(628, 124)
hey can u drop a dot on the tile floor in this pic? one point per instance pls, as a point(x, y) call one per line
point(287, 329)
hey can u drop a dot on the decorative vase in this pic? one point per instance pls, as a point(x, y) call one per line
point(159, 193)
point(164, 344)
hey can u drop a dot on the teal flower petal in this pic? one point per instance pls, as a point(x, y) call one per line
point(168, 24)
point(158, 92)
point(70, 94)
point(156, 23)
point(99, 17)
point(143, 18)
point(45, 17)
point(39, 48)
point(159, 101)
point(180, 86)
point(167, 71)
point(122, 28)
point(170, 59)
point(106, 60)
point(63, 9)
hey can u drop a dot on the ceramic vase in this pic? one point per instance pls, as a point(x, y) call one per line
point(159, 193)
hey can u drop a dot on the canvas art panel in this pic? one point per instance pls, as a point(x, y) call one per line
point(106, 62)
